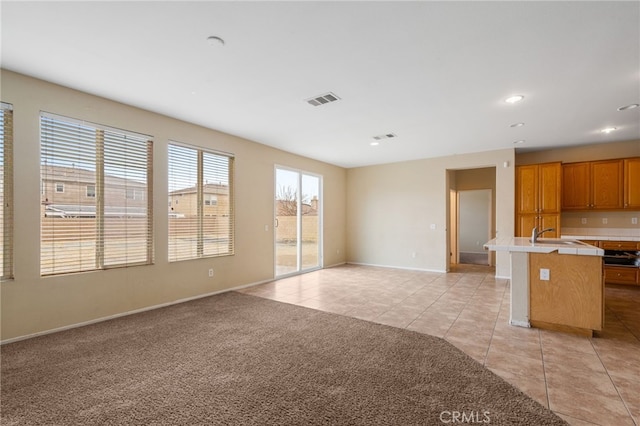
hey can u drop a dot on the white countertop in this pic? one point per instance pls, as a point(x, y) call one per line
point(602, 234)
point(543, 245)
point(602, 237)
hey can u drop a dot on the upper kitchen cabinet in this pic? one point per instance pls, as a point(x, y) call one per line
point(538, 201)
point(632, 183)
point(593, 185)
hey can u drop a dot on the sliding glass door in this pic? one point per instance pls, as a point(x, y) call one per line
point(298, 221)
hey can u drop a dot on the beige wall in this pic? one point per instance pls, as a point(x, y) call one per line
point(593, 152)
point(31, 304)
point(572, 221)
point(391, 207)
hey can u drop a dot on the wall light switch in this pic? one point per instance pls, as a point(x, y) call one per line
point(433, 226)
point(634, 220)
point(544, 274)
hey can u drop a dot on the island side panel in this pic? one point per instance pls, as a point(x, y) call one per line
point(574, 294)
point(519, 289)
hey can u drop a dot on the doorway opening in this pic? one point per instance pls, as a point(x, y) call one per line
point(471, 215)
point(474, 224)
point(298, 222)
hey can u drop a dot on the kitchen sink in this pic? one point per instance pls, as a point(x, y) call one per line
point(559, 242)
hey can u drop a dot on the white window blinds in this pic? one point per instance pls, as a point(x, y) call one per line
point(200, 203)
point(93, 224)
point(6, 191)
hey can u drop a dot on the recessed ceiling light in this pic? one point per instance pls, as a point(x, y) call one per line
point(215, 41)
point(517, 125)
point(514, 99)
point(626, 107)
point(518, 142)
point(608, 129)
point(374, 143)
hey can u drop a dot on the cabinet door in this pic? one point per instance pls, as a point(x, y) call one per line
point(550, 181)
point(526, 189)
point(620, 275)
point(607, 183)
point(524, 224)
point(632, 183)
point(619, 245)
point(575, 186)
point(546, 221)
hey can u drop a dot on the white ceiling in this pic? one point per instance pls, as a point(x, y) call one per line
point(434, 73)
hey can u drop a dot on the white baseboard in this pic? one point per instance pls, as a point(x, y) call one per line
point(520, 323)
point(123, 314)
point(398, 267)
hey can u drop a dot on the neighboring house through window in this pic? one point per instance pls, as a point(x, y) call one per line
point(87, 220)
point(202, 224)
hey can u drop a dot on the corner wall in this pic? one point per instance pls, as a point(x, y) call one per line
point(391, 207)
point(32, 304)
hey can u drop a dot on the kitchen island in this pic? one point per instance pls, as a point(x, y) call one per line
point(556, 284)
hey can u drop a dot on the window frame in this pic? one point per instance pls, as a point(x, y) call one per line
point(201, 198)
point(110, 220)
point(6, 269)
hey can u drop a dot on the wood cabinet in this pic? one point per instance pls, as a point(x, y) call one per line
point(538, 201)
point(601, 185)
point(576, 178)
point(632, 183)
point(572, 299)
point(620, 275)
point(621, 261)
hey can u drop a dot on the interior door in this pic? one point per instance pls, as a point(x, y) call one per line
point(298, 221)
point(474, 225)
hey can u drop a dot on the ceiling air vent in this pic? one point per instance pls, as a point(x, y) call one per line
point(385, 136)
point(323, 99)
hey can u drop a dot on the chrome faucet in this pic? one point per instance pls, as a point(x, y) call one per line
point(535, 233)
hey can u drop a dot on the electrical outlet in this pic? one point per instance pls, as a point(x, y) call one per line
point(210, 272)
point(266, 228)
point(433, 226)
point(583, 220)
point(634, 220)
point(544, 274)
point(605, 220)
point(413, 254)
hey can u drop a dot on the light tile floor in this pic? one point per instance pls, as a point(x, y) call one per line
point(585, 381)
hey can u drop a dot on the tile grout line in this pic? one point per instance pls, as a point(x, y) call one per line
point(493, 330)
point(460, 313)
point(626, 406)
point(544, 372)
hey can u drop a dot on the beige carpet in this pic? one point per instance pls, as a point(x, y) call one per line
point(238, 359)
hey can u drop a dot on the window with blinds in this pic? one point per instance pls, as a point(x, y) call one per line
point(89, 221)
point(6, 190)
point(200, 203)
